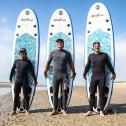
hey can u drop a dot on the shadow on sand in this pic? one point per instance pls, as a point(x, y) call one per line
point(40, 110)
point(118, 108)
point(113, 109)
point(71, 109)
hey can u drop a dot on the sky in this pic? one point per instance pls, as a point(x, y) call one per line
point(78, 10)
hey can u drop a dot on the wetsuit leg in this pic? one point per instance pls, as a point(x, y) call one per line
point(26, 93)
point(56, 83)
point(65, 92)
point(101, 87)
point(93, 88)
point(17, 90)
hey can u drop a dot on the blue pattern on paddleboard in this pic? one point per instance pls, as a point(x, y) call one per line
point(29, 42)
point(53, 46)
point(105, 41)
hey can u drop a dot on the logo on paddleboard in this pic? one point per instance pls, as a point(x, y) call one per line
point(60, 19)
point(96, 15)
point(26, 19)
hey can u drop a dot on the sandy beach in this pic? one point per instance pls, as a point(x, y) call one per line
point(41, 108)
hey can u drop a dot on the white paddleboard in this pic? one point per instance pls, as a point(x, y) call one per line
point(99, 28)
point(60, 27)
point(27, 36)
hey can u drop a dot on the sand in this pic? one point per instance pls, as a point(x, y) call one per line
point(41, 108)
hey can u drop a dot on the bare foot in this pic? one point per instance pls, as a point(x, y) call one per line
point(13, 113)
point(89, 113)
point(27, 112)
point(102, 114)
point(65, 113)
point(54, 112)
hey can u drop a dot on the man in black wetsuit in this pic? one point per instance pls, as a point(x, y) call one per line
point(60, 59)
point(97, 62)
point(22, 66)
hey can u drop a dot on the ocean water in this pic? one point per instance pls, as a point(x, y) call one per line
point(4, 91)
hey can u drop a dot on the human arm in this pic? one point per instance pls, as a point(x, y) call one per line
point(46, 70)
point(110, 67)
point(12, 71)
point(87, 67)
point(73, 70)
point(72, 66)
point(33, 73)
point(47, 66)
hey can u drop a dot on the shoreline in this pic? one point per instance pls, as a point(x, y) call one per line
point(8, 85)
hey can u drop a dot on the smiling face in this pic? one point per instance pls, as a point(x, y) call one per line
point(23, 55)
point(60, 44)
point(96, 48)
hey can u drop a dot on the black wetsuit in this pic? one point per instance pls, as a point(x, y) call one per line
point(97, 63)
point(60, 59)
point(22, 67)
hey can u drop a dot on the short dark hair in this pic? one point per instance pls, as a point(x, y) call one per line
point(96, 43)
point(61, 40)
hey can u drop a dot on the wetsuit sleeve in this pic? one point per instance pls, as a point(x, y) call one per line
point(32, 72)
point(109, 64)
point(87, 67)
point(69, 58)
point(12, 71)
point(50, 58)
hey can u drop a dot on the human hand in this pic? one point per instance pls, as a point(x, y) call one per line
point(85, 76)
point(35, 83)
point(11, 81)
point(45, 74)
point(113, 76)
point(73, 76)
